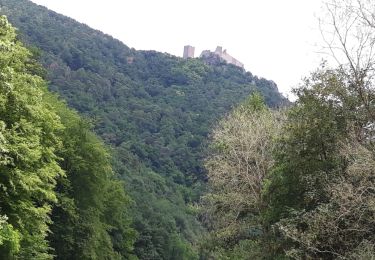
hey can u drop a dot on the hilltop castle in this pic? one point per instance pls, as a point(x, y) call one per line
point(223, 55)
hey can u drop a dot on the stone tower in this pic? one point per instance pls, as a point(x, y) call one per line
point(219, 50)
point(188, 52)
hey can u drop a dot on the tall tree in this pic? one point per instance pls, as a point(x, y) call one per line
point(321, 188)
point(238, 167)
point(29, 164)
point(348, 30)
point(90, 220)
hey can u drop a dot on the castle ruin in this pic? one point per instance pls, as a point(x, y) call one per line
point(219, 52)
point(223, 55)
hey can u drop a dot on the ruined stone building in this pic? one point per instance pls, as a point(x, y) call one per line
point(188, 52)
point(223, 55)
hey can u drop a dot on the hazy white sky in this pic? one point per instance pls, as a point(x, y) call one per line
point(274, 39)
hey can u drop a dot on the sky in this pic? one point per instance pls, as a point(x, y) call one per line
point(276, 40)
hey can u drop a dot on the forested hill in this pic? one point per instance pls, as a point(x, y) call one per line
point(154, 109)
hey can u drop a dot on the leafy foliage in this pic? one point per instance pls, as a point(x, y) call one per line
point(91, 219)
point(323, 164)
point(238, 167)
point(307, 154)
point(29, 163)
point(59, 194)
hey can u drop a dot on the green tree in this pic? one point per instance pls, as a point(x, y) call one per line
point(308, 148)
point(238, 167)
point(9, 237)
point(90, 220)
point(343, 227)
point(322, 163)
point(321, 190)
point(28, 162)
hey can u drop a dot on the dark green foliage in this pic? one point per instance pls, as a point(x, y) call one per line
point(154, 109)
point(314, 205)
point(59, 195)
point(28, 161)
point(308, 151)
point(90, 221)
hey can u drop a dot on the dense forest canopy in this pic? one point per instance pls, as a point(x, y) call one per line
point(154, 109)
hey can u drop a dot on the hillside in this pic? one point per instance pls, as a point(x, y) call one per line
point(154, 109)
